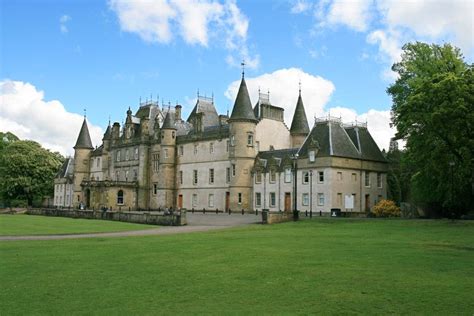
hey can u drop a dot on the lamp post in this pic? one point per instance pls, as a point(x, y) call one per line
point(295, 172)
point(451, 200)
point(310, 191)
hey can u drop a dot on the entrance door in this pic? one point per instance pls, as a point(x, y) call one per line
point(88, 198)
point(287, 202)
point(227, 201)
point(180, 201)
point(367, 202)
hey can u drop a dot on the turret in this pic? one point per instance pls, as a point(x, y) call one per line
point(299, 125)
point(167, 170)
point(82, 151)
point(106, 140)
point(242, 125)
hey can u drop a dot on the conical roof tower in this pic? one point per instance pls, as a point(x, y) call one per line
point(299, 125)
point(167, 123)
point(243, 110)
point(84, 138)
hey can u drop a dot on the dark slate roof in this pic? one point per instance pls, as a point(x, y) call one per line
point(368, 147)
point(67, 169)
point(98, 151)
point(84, 139)
point(168, 123)
point(242, 107)
point(280, 153)
point(335, 140)
point(108, 133)
point(299, 125)
point(209, 133)
point(206, 107)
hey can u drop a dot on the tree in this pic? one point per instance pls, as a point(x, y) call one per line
point(433, 110)
point(27, 171)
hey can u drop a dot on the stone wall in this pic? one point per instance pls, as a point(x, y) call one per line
point(276, 217)
point(151, 218)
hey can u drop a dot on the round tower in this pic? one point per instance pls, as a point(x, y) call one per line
point(167, 169)
point(242, 126)
point(82, 152)
point(299, 125)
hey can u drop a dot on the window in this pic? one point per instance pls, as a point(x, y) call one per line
point(258, 177)
point(136, 153)
point(354, 199)
point(211, 200)
point(173, 134)
point(272, 176)
point(320, 199)
point(166, 153)
point(379, 180)
point(126, 175)
point(321, 176)
point(339, 199)
point(180, 177)
point(227, 175)
point(257, 146)
point(339, 176)
point(117, 175)
point(195, 149)
point(135, 175)
point(118, 155)
point(287, 175)
point(195, 176)
point(195, 200)
point(258, 199)
point(305, 199)
point(98, 162)
point(305, 177)
point(126, 155)
point(156, 162)
point(181, 150)
point(367, 179)
point(250, 139)
point(240, 198)
point(155, 188)
point(354, 177)
point(211, 148)
point(233, 170)
point(227, 146)
point(312, 156)
point(232, 140)
point(120, 197)
point(272, 199)
point(211, 176)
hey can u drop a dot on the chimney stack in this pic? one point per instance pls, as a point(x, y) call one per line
point(177, 113)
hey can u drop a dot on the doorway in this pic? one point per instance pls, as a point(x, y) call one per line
point(180, 201)
point(287, 201)
point(227, 201)
point(367, 202)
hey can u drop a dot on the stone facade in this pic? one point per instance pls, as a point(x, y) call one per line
point(158, 160)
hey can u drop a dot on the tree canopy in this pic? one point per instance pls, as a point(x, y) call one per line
point(26, 170)
point(433, 110)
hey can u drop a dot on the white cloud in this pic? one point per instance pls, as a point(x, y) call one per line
point(316, 93)
point(300, 6)
point(62, 23)
point(354, 14)
point(25, 113)
point(196, 22)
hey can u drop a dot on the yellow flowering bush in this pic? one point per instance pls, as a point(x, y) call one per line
point(386, 208)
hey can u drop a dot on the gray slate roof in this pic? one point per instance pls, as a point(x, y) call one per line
point(84, 138)
point(168, 123)
point(210, 116)
point(209, 133)
point(67, 169)
point(299, 124)
point(336, 141)
point(242, 107)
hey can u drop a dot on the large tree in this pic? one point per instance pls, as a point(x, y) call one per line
point(433, 110)
point(27, 171)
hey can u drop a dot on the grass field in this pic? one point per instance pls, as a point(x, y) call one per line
point(14, 225)
point(329, 266)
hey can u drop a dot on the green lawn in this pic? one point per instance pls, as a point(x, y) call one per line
point(14, 225)
point(329, 266)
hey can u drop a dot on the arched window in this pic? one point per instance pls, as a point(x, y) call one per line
point(120, 197)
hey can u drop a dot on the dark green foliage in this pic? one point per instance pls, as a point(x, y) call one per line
point(433, 110)
point(27, 171)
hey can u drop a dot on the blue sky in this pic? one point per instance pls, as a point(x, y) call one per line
point(59, 57)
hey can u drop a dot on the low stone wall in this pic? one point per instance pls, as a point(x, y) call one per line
point(151, 218)
point(276, 217)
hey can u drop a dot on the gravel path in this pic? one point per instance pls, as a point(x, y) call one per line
point(196, 223)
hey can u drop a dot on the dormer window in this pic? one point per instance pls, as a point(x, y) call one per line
point(312, 156)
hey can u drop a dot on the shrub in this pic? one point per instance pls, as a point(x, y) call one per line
point(386, 208)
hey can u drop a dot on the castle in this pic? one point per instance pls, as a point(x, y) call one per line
point(250, 160)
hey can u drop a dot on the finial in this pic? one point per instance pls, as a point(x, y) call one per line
point(259, 92)
point(299, 84)
point(85, 113)
point(198, 93)
point(140, 100)
point(109, 120)
point(243, 68)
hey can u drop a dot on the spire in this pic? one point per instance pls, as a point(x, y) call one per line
point(167, 124)
point(108, 132)
point(242, 107)
point(84, 138)
point(299, 125)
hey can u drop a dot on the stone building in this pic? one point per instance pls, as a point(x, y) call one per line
point(243, 161)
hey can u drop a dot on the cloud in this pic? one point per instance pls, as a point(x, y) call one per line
point(25, 113)
point(62, 23)
point(388, 24)
point(196, 22)
point(316, 93)
point(300, 6)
